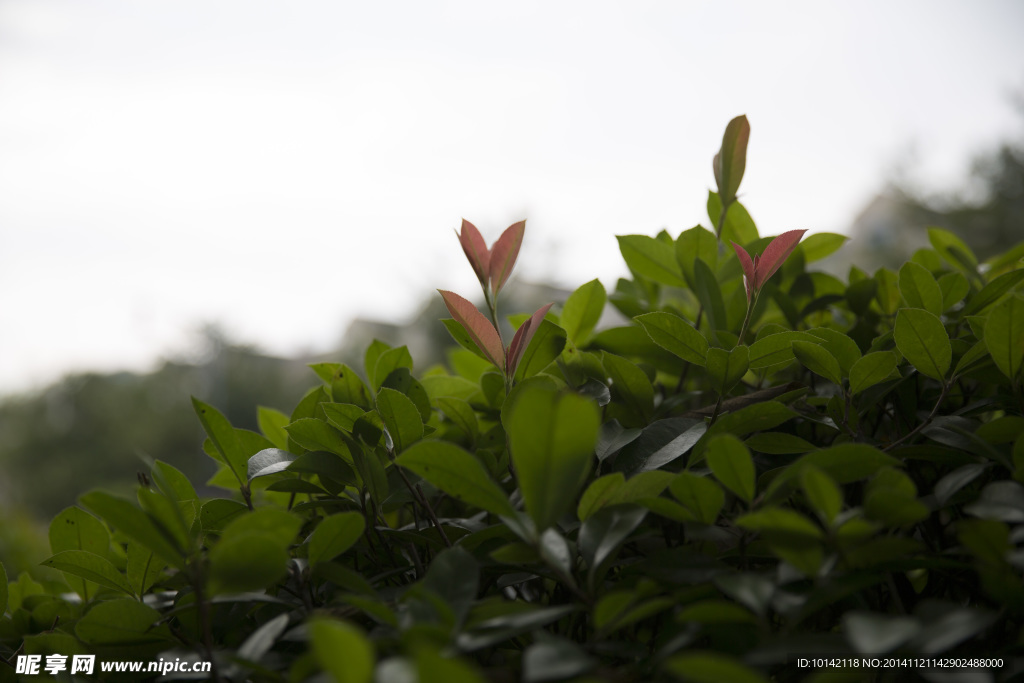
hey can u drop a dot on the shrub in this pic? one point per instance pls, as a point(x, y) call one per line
point(767, 463)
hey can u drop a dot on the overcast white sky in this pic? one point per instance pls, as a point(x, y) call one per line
point(283, 167)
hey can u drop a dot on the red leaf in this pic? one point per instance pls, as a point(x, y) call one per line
point(479, 328)
point(775, 254)
point(522, 339)
point(748, 268)
point(476, 250)
point(504, 254)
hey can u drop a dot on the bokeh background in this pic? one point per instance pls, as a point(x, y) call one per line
point(199, 198)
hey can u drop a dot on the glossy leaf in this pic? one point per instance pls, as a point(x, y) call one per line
point(457, 473)
point(1004, 336)
point(582, 310)
point(401, 418)
point(726, 368)
point(268, 461)
point(334, 535)
point(873, 368)
point(818, 360)
point(696, 243)
point(651, 259)
point(675, 335)
point(922, 339)
point(552, 438)
point(919, 288)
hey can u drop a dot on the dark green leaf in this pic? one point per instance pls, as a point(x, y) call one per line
point(873, 368)
point(993, 291)
point(778, 443)
point(954, 288)
point(457, 473)
point(710, 296)
point(732, 465)
point(923, 341)
point(876, 634)
point(822, 493)
point(272, 423)
point(844, 463)
point(401, 418)
point(1004, 336)
point(334, 535)
point(120, 622)
point(919, 288)
point(552, 438)
point(546, 345)
point(388, 361)
point(89, 566)
point(818, 360)
point(133, 523)
point(331, 637)
point(953, 250)
point(629, 384)
point(696, 243)
point(726, 368)
point(553, 659)
point(775, 349)
point(711, 667)
point(675, 335)
point(700, 495)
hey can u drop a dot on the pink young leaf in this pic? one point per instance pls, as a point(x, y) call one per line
point(479, 328)
point(522, 339)
point(748, 268)
point(775, 254)
point(504, 254)
point(476, 250)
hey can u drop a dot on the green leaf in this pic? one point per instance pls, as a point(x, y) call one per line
point(775, 349)
point(331, 638)
point(726, 368)
point(401, 380)
point(840, 345)
point(953, 250)
point(887, 291)
point(976, 354)
point(778, 443)
point(652, 259)
point(388, 362)
point(552, 438)
point(401, 418)
point(875, 634)
point(89, 566)
point(1004, 336)
point(711, 667)
point(268, 461)
point(598, 493)
point(629, 384)
point(954, 288)
point(582, 310)
point(551, 659)
point(325, 464)
point(710, 296)
point(844, 463)
point(873, 368)
point(923, 341)
point(247, 562)
point(675, 335)
point(120, 622)
point(602, 534)
point(739, 226)
point(546, 345)
point(133, 523)
point(143, 568)
point(460, 413)
point(223, 436)
point(731, 160)
point(754, 418)
point(75, 529)
point(347, 387)
point(457, 473)
point(818, 360)
point(732, 465)
point(700, 495)
point(334, 535)
point(217, 513)
point(316, 435)
point(3, 589)
point(822, 493)
point(696, 243)
point(272, 423)
point(782, 524)
point(821, 244)
point(919, 288)
point(993, 291)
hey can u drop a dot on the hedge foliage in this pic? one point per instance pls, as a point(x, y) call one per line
point(765, 463)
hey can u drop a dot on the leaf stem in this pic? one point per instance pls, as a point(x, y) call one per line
point(922, 425)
